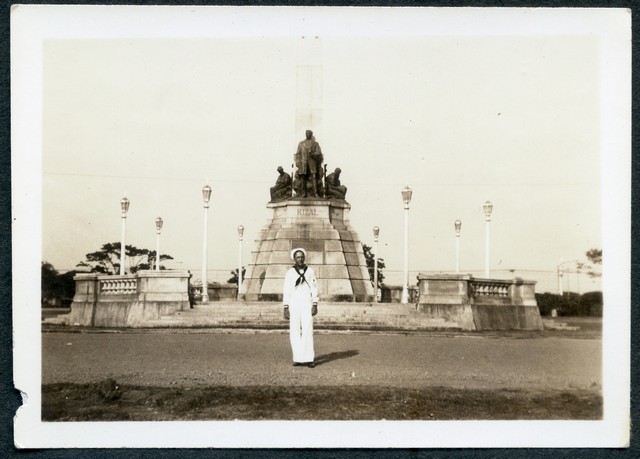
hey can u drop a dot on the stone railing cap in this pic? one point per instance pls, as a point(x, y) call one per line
point(163, 273)
point(517, 281)
point(423, 276)
point(81, 276)
point(116, 277)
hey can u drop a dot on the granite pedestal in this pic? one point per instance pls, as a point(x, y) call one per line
point(334, 251)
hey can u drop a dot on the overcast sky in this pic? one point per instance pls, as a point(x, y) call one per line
point(509, 115)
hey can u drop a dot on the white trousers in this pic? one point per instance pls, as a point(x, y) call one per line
point(301, 331)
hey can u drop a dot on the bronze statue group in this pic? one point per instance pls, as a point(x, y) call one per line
point(310, 177)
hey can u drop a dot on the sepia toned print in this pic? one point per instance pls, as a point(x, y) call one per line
point(432, 247)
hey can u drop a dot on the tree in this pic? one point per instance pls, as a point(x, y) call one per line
point(370, 259)
point(56, 288)
point(107, 259)
point(151, 261)
point(234, 278)
point(48, 281)
point(591, 303)
point(595, 257)
point(549, 301)
point(570, 304)
point(67, 286)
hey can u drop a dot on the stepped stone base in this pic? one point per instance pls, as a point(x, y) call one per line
point(268, 316)
point(332, 316)
point(333, 249)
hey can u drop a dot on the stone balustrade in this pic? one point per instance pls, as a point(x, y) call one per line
point(120, 285)
point(130, 300)
point(480, 304)
point(489, 288)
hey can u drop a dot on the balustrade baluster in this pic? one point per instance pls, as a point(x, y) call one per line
point(118, 287)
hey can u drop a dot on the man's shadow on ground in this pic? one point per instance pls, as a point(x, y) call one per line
point(326, 358)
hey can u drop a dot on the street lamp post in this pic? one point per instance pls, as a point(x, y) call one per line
point(158, 229)
point(376, 233)
point(124, 206)
point(457, 225)
point(206, 195)
point(488, 207)
point(406, 198)
point(561, 275)
point(240, 233)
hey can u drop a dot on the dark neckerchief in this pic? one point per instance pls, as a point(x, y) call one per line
point(301, 278)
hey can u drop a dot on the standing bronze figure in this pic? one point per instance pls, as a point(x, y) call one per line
point(308, 159)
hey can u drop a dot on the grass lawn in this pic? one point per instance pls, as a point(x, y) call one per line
point(109, 401)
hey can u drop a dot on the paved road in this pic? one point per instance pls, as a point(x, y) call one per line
point(264, 358)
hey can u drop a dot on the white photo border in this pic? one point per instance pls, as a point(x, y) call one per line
point(32, 24)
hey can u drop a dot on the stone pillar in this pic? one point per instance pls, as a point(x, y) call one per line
point(447, 296)
point(166, 291)
point(443, 288)
point(84, 300)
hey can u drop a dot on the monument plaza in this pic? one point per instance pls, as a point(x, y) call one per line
point(309, 211)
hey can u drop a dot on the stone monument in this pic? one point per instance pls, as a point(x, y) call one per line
point(320, 224)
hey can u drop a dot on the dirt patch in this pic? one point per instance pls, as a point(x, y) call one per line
point(110, 401)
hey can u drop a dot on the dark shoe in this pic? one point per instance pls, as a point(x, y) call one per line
point(297, 364)
point(311, 365)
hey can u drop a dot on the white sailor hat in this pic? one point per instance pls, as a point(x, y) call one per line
point(299, 249)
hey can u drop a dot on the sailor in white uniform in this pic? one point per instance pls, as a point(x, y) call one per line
point(300, 297)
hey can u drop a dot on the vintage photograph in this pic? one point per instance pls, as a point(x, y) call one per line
point(247, 221)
